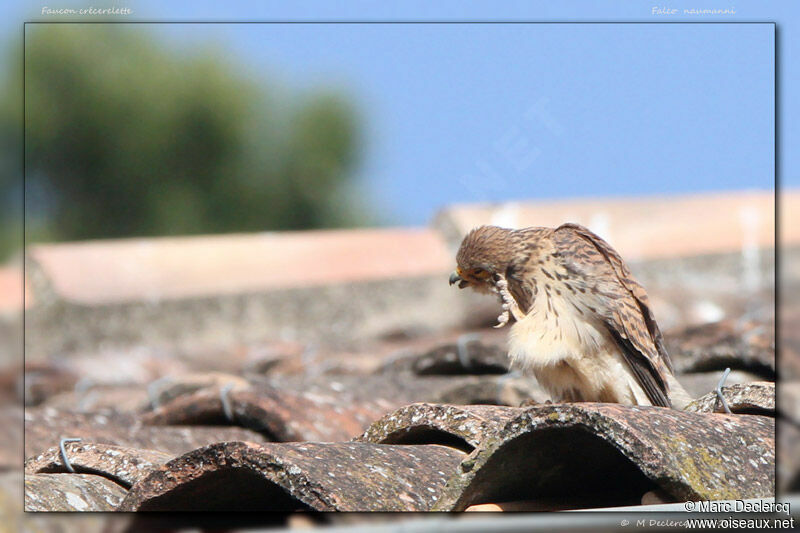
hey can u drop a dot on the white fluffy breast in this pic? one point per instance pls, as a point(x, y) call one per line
point(551, 333)
point(571, 353)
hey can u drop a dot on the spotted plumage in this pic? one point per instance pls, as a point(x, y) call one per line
point(584, 326)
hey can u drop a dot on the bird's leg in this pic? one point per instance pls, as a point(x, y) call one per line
point(510, 306)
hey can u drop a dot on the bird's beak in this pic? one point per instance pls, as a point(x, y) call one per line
point(455, 277)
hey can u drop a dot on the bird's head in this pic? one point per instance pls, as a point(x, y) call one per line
point(484, 253)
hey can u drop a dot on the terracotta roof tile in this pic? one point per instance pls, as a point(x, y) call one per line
point(279, 415)
point(91, 398)
point(462, 426)
point(745, 398)
point(99, 272)
point(71, 492)
point(45, 427)
point(699, 384)
point(585, 455)
point(710, 222)
point(43, 379)
point(282, 477)
point(124, 466)
point(166, 389)
point(746, 345)
point(398, 389)
point(508, 389)
point(466, 357)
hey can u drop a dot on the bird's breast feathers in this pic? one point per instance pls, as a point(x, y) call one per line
point(554, 329)
point(570, 351)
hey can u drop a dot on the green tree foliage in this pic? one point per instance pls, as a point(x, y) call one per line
point(11, 158)
point(126, 138)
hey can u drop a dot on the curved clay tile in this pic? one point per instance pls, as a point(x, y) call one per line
point(71, 492)
point(124, 466)
point(45, 427)
point(279, 415)
point(744, 398)
point(461, 426)
point(469, 357)
point(728, 343)
point(236, 476)
point(593, 455)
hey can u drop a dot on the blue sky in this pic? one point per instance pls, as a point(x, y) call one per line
point(494, 112)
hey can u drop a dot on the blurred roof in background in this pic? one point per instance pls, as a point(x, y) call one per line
point(644, 228)
point(341, 286)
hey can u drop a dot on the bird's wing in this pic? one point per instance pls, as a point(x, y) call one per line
point(622, 304)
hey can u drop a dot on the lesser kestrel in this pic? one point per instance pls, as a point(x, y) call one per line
point(584, 326)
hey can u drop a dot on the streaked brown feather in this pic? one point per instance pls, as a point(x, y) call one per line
point(624, 306)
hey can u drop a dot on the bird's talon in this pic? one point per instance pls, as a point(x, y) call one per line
point(502, 320)
point(510, 306)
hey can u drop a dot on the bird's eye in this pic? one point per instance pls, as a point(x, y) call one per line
point(480, 273)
